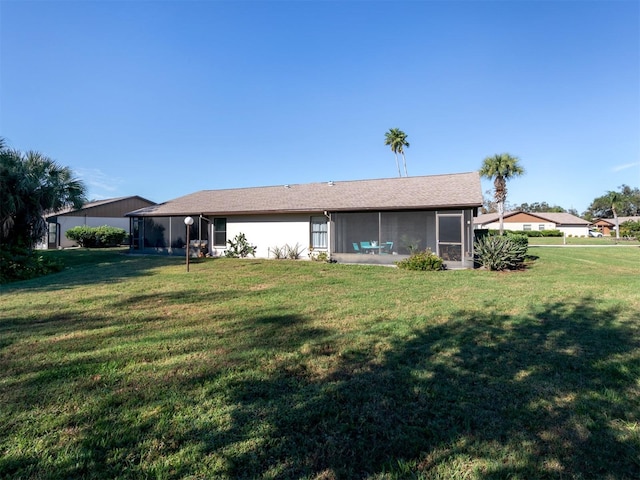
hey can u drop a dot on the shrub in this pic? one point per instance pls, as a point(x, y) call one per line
point(425, 260)
point(630, 228)
point(519, 238)
point(294, 252)
point(239, 247)
point(320, 256)
point(528, 233)
point(501, 252)
point(277, 252)
point(99, 237)
point(19, 263)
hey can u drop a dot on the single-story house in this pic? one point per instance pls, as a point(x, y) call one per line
point(608, 225)
point(522, 221)
point(110, 212)
point(364, 221)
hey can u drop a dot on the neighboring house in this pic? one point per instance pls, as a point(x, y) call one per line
point(365, 221)
point(523, 221)
point(93, 214)
point(608, 225)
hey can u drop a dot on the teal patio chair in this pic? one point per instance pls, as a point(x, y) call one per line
point(356, 247)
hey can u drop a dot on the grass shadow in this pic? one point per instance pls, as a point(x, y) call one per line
point(549, 394)
point(545, 396)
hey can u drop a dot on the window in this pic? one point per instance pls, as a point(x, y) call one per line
point(220, 231)
point(319, 232)
point(541, 226)
point(526, 227)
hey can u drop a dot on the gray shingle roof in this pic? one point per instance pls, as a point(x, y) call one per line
point(430, 192)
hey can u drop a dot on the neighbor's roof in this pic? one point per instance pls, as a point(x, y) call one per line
point(97, 203)
point(554, 217)
point(621, 220)
point(437, 191)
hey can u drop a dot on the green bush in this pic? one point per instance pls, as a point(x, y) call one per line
point(520, 238)
point(528, 233)
point(97, 237)
point(630, 228)
point(19, 263)
point(425, 260)
point(239, 247)
point(505, 252)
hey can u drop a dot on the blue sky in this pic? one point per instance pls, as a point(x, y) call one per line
point(164, 98)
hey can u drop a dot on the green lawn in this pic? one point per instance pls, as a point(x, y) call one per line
point(600, 241)
point(129, 367)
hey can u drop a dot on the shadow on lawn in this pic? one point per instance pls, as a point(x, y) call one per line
point(87, 267)
point(483, 394)
point(487, 395)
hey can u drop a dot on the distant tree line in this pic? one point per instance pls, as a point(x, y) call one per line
point(625, 202)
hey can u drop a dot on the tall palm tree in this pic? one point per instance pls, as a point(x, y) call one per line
point(397, 140)
point(500, 168)
point(614, 199)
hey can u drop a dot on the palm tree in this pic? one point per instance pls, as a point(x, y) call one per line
point(397, 140)
point(32, 185)
point(500, 168)
point(614, 199)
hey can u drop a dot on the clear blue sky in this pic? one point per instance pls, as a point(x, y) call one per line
point(164, 98)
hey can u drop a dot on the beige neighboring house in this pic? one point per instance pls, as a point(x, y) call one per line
point(569, 224)
point(110, 212)
point(364, 221)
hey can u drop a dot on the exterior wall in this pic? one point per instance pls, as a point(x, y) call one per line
point(67, 222)
point(113, 209)
point(268, 231)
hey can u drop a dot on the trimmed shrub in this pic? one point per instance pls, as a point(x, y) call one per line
point(97, 237)
point(520, 238)
point(505, 252)
point(425, 260)
point(528, 233)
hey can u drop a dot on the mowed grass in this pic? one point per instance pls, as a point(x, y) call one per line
point(128, 367)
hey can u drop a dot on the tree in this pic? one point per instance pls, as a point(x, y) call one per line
point(627, 205)
point(539, 207)
point(500, 168)
point(32, 185)
point(397, 140)
point(614, 199)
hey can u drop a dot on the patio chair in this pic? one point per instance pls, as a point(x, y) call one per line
point(365, 246)
point(389, 248)
point(356, 247)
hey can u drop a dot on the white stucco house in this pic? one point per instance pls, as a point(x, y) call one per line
point(110, 212)
point(567, 223)
point(364, 221)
